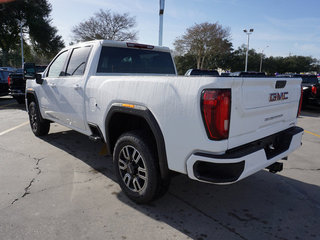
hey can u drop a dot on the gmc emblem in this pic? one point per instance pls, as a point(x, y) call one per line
point(278, 96)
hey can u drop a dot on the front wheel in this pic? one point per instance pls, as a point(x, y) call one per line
point(136, 167)
point(39, 126)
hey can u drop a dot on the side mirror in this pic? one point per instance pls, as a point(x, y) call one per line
point(39, 79)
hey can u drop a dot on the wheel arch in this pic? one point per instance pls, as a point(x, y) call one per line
point(122, 119)
point(31, 96)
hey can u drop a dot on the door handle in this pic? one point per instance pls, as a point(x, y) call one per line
point(76, 86)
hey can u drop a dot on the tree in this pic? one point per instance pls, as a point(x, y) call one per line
point(206, 41)
point(183, 63)
point(237, 61)
point(106, 25)
point(34, 16)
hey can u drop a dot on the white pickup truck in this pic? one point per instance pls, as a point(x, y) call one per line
point(214, 129)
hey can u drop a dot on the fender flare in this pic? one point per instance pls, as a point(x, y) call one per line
point(147, 115)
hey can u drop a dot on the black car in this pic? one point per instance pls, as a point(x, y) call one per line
point(311, 90)
point(17, 80)
point(310, 86)
point(4, 82)
point(247, 74)
point(199, 72)
point(17, 85)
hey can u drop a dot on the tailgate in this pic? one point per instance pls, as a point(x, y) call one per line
point(17, 82)
point(263, 106)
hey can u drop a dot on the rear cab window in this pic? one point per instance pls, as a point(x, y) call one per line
point(130, 60)
point(78, 61)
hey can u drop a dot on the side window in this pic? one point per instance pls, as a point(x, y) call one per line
point(56, 68)
point(78, 60)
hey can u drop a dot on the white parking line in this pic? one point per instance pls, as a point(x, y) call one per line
point(14, 128)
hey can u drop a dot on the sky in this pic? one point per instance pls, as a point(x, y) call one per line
point(287, 27)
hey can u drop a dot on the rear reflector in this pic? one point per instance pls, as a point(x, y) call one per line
point(136, 45)
point(215, 107)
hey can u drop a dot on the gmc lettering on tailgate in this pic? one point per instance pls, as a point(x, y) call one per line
point(278, 96)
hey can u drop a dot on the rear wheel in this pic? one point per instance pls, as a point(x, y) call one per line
point(39, 126)
point(136, 168)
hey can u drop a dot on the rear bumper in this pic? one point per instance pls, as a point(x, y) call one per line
point(245, 160)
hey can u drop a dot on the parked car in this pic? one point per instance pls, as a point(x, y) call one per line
point(199, 72)
point(4, 82)
point(225, 74)
point(310, 86)
point(17, 80)
point(17, 86)
point(247, 74)
point(10, 69)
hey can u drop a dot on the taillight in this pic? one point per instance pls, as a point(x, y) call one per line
point(314, 90)
point(9, 80)
point(300, 103)
point(216, 107)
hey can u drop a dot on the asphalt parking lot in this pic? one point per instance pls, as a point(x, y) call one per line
point(62, 186)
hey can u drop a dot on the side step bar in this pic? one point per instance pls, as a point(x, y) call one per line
point(96, 133)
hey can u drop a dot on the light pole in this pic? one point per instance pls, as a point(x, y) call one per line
point(21, 38)
point(262, 57)
point(161, 21)
point(248, 34)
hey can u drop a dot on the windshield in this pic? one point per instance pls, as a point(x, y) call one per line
point(127, 60)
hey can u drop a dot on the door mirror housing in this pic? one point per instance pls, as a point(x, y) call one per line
point(39, 79)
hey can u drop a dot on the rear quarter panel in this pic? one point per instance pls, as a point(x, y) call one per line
point(174, 102)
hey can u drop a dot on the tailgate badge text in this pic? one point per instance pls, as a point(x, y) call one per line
point(278, 96)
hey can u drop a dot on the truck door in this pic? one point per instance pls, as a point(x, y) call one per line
point(47, 93)
point(70, 89)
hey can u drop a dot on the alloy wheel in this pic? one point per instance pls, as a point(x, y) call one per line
point(132, 168)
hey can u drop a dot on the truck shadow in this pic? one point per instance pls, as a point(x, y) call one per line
point(263, 206)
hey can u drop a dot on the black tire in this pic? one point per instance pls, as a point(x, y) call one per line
point(20, 100)
point(39, 126)
point(136, 168)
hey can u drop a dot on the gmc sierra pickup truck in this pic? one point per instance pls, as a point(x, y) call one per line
point(214, 129)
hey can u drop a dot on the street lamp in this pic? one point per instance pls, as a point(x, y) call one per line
point(161, 21)
point(248, 34)
point(21, 39)
point(261, 57)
